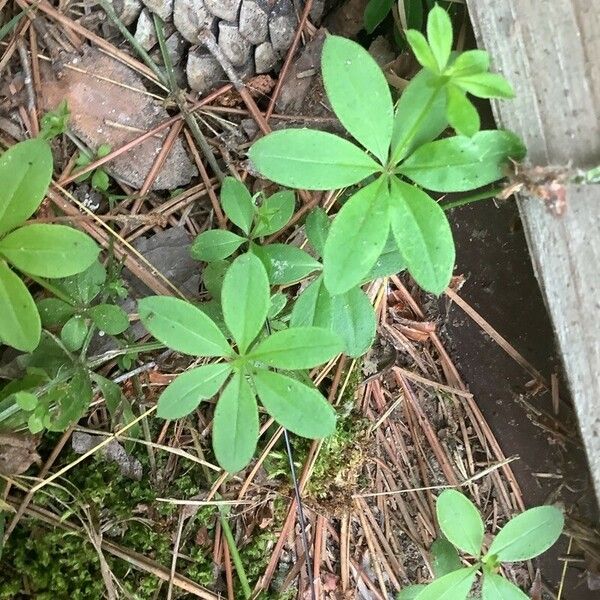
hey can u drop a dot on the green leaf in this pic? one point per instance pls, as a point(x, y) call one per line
point(317, 229)
point(423, 236)
point(100, 180)
point(237, 203)
point(103, 150)
point(54, 122)
point(375, 12)
point(294, 405)
point(109, 318)
point(439, 34)
point(245, 299)
point(527, 535)
point(444, 557)
point(73, 333)
point(25, 173)
point(20, 323)
point(420, 115)
point(85, 286)
point(496, 587)
point(49, 250)
point(54, 311)
point(356, 238)
point(353, 320)
point(235, 426)
point(410, 592)
point(485, 85)
point(462, 115)
point(213, 275)
point(389, 262)
point(459, 163)
point(297, 348)
point(215, 244)
point(71, 401)
point(26, 400)
point(287, 264)
point(350, 75)
point(186, 392)
point(182, 327)
point(313, 306)
point(111, 392)
point(274, 213)
point(277, 304)
point(454, 586)
point(421, 49)
point(460, 521)
point(34, 423)
point(311, 160)
point(470, 62)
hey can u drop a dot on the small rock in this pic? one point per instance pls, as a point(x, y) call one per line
point(282, 25)
point(175, 47)
point(190, 16)
point(17, 453)
point(265, 57)
point(203, 71)
point(145, 33)
point(224, 9)
point(127, 10)
point(235, 47)
point(250, 128)
point(254, 20)
point(163, 8)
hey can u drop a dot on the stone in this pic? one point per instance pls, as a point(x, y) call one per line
point(265, 58)
point(224, 9)
point(163, 8)
point(190, 16)
point(282, 25)
point(235, 47)
point(145, 34)
point(204, 73)
point(254, 20)
point(175, 47)
point(128, 10)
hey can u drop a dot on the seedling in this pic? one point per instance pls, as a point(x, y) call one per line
point(524, 537)
point(99, 177)
point(399, 150)
point(245, 370)
point(38, 250)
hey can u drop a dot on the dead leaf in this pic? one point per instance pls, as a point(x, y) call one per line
point(17, 453)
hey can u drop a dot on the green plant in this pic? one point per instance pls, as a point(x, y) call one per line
point(399, 148)
point(99, 177)
point(244, 374)
point(40, 251)
point(524, 537)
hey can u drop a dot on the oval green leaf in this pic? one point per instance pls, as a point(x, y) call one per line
point(444, 558)
point(496, 587)
point(25, 173)
point(356, 237)
point(351, 75)
point(353, 320)
point(185, 393)
point(74, 332)
point(297, 348)
point(182, 327)
point(54, 311)
point(237, 203)
point(109, 318)
point(49, 250)
point(423, 236)
point(485, 85)
point(294, 405)
point(245, 298)
point(454, 586)
point(421, 49)
point(20, 325)
point(313, 306)
point(460, 521)
point(459, 163)
point(317, 229)
point(235, 426)
point(389, 262)
point(274, 213)
point(439, 35)
point(311, 160)
point(527, 535)
point(213, 275)
point(462, 115)
point(26, 400)
point(287, 264)
point(215, 244)
point(420, 115)
point(470, 62)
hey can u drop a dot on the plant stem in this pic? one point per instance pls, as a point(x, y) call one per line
point(235, 555)
point(486, 195)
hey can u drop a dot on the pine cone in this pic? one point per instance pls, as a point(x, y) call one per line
point(253, 34)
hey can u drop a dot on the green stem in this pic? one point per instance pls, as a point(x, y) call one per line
point(235, 555)
point(486, 195)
